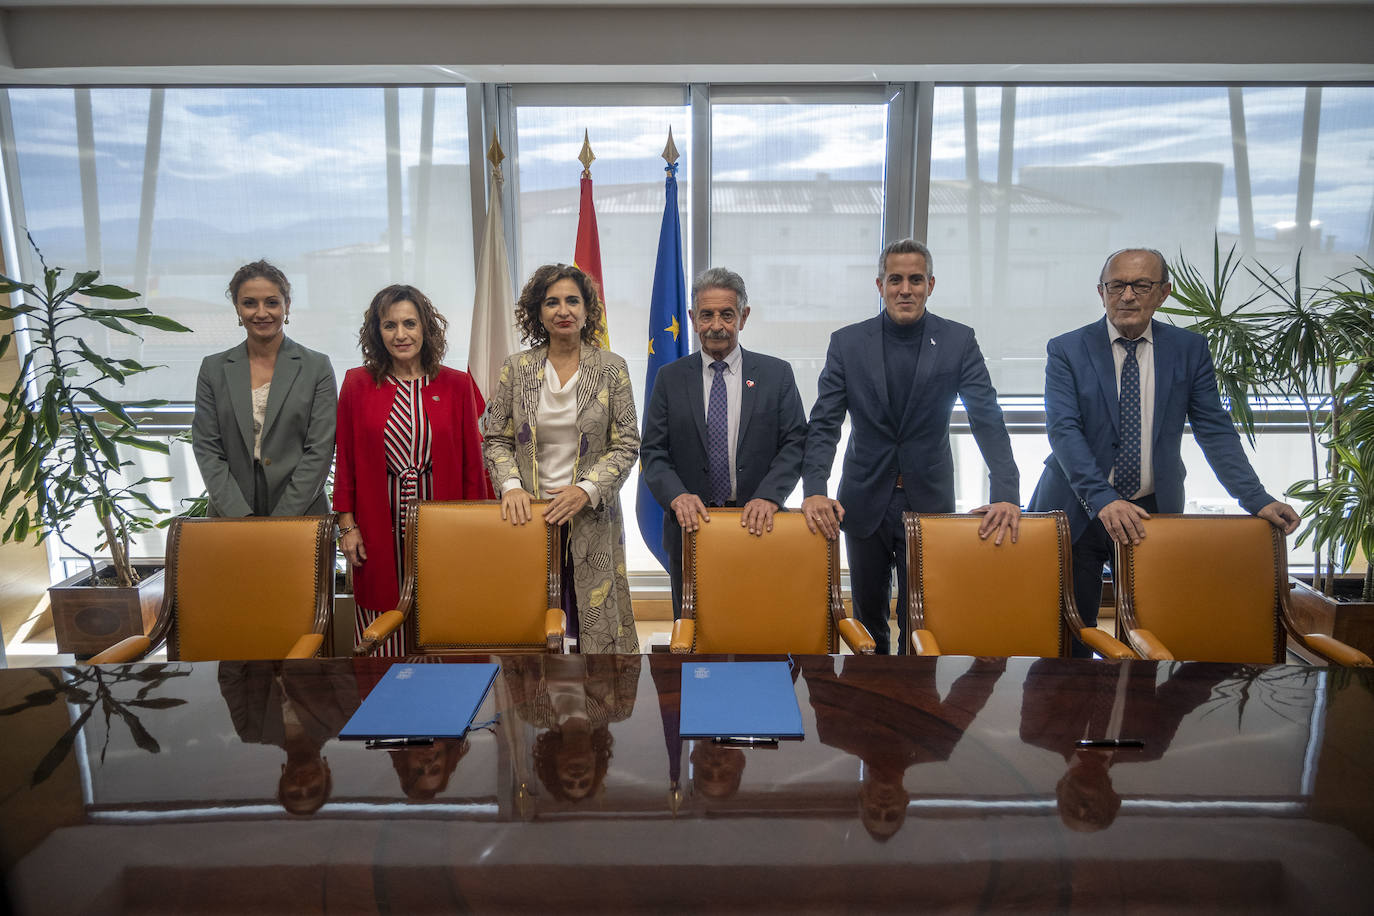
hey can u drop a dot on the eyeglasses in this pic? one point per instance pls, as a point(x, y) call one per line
point(1141, 287)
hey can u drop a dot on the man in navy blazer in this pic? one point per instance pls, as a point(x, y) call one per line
point(897, 376)
point(767, 428)
point(1083, 418)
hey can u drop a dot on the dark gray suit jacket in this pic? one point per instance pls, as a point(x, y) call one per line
point(768, 450)
point(297, 437)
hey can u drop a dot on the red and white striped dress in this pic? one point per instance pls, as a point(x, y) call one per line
point(409, 475)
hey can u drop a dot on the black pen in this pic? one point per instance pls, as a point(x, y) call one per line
point(1111, 742)
point(389, 743)
point(744, 741)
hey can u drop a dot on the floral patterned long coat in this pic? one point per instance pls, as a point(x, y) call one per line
point(607, 449)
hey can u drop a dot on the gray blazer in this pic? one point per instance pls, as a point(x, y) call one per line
point(297, 436)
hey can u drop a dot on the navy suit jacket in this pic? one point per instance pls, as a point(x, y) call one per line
point(768, 450)
point(1083, 419)
point(918, 448)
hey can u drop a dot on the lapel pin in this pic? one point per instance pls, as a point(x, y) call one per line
point(436, 397)
point(749, 383)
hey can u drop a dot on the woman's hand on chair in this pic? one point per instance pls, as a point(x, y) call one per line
point(515, 506)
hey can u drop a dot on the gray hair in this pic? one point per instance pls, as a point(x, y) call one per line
point(720, 278)
point(1163, 264)
point(906, 246)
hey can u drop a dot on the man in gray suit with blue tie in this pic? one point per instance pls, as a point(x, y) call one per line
point(1117, 394)
point(897, 377)
point(725, 426)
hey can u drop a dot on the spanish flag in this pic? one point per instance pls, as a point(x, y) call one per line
point(587, 254)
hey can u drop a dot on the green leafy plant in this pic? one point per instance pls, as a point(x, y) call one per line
point(60, 435)
point(1309, 344)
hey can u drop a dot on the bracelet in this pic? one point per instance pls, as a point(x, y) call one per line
point(343, 531)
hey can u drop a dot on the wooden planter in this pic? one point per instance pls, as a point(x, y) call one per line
point(1350, 621)
point(89, 619)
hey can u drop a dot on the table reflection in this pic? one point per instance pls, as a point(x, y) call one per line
point(892, 717)
point(572, 699)
point(297, 710)
point(176, 786)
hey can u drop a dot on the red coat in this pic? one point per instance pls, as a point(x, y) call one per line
point(452, 405)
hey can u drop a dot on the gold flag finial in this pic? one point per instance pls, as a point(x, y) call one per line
point(670, 151)
point(586, 156)
point(495, 155)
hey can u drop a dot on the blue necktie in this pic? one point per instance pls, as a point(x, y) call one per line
point(1127, 471)
point(718, 437)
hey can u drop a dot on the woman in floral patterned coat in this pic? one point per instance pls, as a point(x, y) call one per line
point(561, 426)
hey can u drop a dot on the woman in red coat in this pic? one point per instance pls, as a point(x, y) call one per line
point(407, 428)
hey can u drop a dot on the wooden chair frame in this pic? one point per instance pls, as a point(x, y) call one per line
point(684, 637)
point(165, 629)
point(1128, 627)
point(404, 615)
point(923, 641)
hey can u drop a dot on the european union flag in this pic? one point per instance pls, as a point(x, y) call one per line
point(667, 342)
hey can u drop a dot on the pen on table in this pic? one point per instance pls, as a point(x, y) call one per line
point(745, 741)
point(388, 743)
point(1111, 742)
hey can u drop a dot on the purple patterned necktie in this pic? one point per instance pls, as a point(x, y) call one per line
point(718, 437)
point(1126, 476)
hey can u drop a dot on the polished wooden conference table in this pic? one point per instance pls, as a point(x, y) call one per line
point(947, 784)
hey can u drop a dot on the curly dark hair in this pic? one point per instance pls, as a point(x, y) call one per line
point(258, 270)
point(376, 359)
point(546, 748)
point(531, 302)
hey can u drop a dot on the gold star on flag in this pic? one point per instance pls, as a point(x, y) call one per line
point(651, 346)
point(674, 327)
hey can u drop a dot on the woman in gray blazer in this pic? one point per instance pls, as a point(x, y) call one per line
point(263, 433)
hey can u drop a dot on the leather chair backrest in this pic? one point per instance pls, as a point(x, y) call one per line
point(767, 594)
point(246, 588)
point(979, 598)
point(480, 581)
point(1207, 587)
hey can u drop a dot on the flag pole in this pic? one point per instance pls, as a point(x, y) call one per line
point(587, 250)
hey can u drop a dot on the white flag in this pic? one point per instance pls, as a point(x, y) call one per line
point(493, 307)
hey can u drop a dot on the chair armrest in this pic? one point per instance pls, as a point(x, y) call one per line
point(555, 627)
point(307, 646)
point(923, 643)
point(684, 634)
point(1105, 645)
point(129, 649)
point(856, 636)
point(1149, 646)
point(1332, 648)
point(381, 628)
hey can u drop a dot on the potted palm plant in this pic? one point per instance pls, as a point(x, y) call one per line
point(60, 441)
point(1313, 345)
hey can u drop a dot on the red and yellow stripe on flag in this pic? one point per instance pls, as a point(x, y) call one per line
point(587, 254)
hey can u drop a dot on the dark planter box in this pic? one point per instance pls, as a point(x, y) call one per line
point(89, 619)
point(1351, 621)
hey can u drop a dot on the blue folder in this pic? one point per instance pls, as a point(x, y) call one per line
point(739, 699)
point(422, 701)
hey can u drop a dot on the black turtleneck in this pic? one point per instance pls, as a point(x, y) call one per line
point(901, 356)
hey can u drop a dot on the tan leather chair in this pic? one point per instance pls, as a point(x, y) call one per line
point(475, 583)
point(772, 594)
point(1212, 588)
point(970, 596)
point(241, 588)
